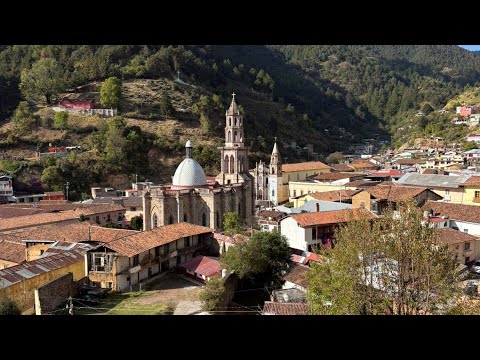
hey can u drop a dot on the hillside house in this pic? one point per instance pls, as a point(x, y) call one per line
point(459, 243)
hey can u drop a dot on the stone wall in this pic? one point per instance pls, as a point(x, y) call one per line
point(52, 294)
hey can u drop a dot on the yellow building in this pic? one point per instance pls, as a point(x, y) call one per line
point(18, 283)
point(471, 191)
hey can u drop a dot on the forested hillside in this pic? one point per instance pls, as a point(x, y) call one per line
point(329, 96)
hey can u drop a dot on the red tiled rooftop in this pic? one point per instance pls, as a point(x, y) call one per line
point(472, 181)
point(305, 166)
point(335, 195)
point(12, 251)
point(332, 217)
point(395, 193)
point(342, 168)
point(204, 265)
point(336, 176)
point(145, 240)
point(468, 213)
point(297, 275)
point(450, 237)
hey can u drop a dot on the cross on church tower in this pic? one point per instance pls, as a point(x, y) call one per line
point(233, 95)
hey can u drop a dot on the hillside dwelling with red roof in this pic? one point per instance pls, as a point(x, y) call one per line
point(309, 231)
point(202, 268)
point(127, 261)
point(77, 104)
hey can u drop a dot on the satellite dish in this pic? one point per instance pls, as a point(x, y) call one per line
point(50, 144)
point(286, 298)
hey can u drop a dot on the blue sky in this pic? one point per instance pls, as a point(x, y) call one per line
point(471, 47)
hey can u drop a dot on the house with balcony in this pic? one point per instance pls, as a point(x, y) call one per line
point(269, 220)
point(380, 197)
point(309, 231)
point(463, 218)
point(125, 262)
point(462, 245)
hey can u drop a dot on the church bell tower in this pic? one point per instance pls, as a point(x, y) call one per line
point(234, 160)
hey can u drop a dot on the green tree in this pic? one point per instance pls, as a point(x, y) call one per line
point(231, 222)
point(52, 178)
point(111, 92)
point(8, 307)
point(391, 265)
point(166, 107)
point(24, 119)
point(44, 78)
point(212, 294)
point(264, 256)
point(469, 146)
point(136, 223)
point(60, 120)
point(427, 108)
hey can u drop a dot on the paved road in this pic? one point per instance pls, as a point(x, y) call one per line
point(185, 307)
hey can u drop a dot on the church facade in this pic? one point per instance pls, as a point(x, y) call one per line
point(190, 198)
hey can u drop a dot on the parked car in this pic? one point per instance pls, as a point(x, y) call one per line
point(476, 267)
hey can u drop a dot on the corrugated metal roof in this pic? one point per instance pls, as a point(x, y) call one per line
point(432, 180)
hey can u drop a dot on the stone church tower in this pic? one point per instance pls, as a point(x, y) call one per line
point(275, 178)
point(234, 160)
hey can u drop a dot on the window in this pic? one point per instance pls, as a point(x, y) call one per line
point(41, 252)
point(179, 260)
point(301, 192)
point(477, 194)
point(447, 192)
point(170, 219)
point(136, 260)
point(133, 209)
point(97, 219)
point(187, 241)
point(185, 218)
point(204, 219)
point(273, 193)
point(465, 231)
point(157, 251)
point(154, 220)
point(294, 193)
point(314, 233)
point(166, 249)
point(466, 246)
point(362, 204)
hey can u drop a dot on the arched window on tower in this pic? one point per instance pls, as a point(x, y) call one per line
point(204, 219)
point(185, 219)
point(232, 164)
point(226, 164)
point(229, 136)
point(170, 219)
point(273, 170)
point(234, 136)
point(230, 121)
point(273, 193)
point(154, 221)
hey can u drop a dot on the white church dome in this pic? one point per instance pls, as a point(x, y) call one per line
point(189, 173)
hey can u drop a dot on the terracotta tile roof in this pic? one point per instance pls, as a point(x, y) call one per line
point(8, 211)
point(54, 202)
point(332, 217)
point(362, 164)
point(71, 233)
point(54, 193)
point(18, 273)
point(204, 265)
point(54, 217)
point(450, 237)
point(342, 168)
point(297, 275)
point(335, 195)
point(305, 166)
point(12, 251)
point(145, 240)
point(409, 161)
point(270, 213)
point(386, 173)
point(336, 176)
point(472, 181)
point(275, 308)
point(395, 193)
point(469, 213)
point(305, 258)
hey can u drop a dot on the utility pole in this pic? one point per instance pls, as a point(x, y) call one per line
point(67, 186)
point(70, 306)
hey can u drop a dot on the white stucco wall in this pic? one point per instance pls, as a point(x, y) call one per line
point(296, 235)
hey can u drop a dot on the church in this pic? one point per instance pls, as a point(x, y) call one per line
point(191, 198)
